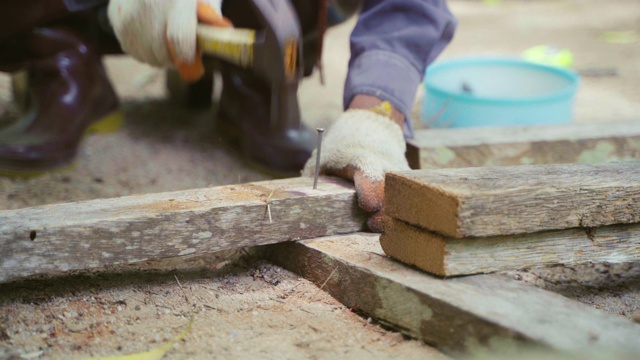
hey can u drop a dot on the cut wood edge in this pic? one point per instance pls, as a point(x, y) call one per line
point(103, 233)
point(446, 256)
point(460, 315)
point(530, 145)
point(416, 247)
point(424, 205)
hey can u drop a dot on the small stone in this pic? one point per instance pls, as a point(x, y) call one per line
point(636, 316)
point(33, 355)
point(76, 327)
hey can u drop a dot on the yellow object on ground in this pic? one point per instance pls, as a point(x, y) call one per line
point(549, 55)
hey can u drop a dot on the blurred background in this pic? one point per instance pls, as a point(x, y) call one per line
point(165, 147)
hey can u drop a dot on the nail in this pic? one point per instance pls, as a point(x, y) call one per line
point(315, 179)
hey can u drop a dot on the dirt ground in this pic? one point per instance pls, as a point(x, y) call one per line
point(255, 310)
point(246, 308)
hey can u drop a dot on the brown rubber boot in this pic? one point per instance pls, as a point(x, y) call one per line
point(244, 116)
point(273, 139)
point(245, 113)
point(69, 96)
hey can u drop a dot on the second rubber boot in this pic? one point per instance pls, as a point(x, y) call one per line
point(261, 107)
point(244, 114)
point(70, 95)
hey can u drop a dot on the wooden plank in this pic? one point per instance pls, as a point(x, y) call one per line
point(464, 314)
point(446, 256)
point(515, 199)
point(533, 145)
point(106, 232)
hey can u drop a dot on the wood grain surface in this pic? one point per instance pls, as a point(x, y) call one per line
point(532, 145)
point(445, 256)
point(105, 232)
point(488, 201)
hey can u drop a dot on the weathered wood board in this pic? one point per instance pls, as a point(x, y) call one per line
point(488, 201)
point(445, 256)
point(464, 314)
point(533, 145)
point(106, 232)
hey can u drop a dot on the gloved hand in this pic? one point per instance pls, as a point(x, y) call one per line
point(163, 32)
point(362, 145)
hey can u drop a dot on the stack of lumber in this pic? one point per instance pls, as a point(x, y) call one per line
point(479, 220)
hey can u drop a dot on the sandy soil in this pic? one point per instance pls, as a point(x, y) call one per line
point(247, 308)
point(253, 310)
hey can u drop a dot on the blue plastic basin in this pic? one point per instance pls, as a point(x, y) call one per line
point(497, 92)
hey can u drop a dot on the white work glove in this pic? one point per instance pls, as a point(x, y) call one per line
point(362, 146)
point(163, 32)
